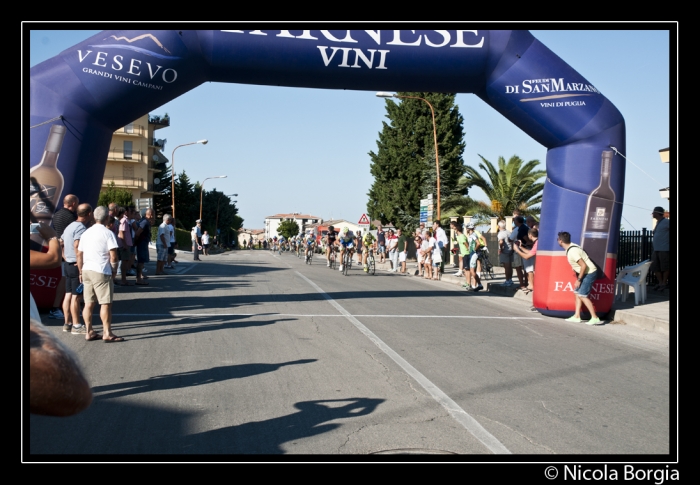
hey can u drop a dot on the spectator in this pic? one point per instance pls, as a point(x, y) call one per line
point(436, 257)
point(442, 242)
point(473, 246)
point(48, 260)
point(420, 257)
point(197, 239)
point(528, 257)
point(71, 238)
point(57, 385)
point(402, 249)
point(125, 243)
point(381, 244)
point(134, 218)
point(519, 234)
point(505, 252)
point(661, 257)
point(205, 243)
point(427, 251)
point(586, 274)
point(392, 247)
point(143, 238)
point(63, 216)
point(173, 243)
point(532, 223)
point(97, 263)
point(162, 245)
point(461, 249)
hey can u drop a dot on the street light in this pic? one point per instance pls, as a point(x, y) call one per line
point(216, 226)
point(172, 174)
point(201, 193)
point(437, 162)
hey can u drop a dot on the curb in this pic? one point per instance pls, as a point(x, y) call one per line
point(637, 317)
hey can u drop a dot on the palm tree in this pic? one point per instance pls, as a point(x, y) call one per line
point(512, 186)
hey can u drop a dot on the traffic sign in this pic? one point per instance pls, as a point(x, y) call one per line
point(364, 220)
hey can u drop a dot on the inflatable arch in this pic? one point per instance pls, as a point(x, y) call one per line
point(90, 90)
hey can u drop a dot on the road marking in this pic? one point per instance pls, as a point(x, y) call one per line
point(459, 414)
point(313, 315)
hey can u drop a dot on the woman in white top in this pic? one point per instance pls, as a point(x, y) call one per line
point(427, 251)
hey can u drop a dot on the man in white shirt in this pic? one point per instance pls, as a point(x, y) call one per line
point(442, 241)
point(97, 264)
point(171, 248)
point(162, 244)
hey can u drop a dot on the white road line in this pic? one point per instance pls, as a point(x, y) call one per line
point(469, 423)
point(314, 315)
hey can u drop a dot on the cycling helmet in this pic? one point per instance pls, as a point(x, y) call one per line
point(471, 225)
point(346, 230)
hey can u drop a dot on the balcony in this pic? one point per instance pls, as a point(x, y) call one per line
point(119, 155)
point(155, 167)
point(158, 121)
point(125, 182)
point(157, 143)
point(133, 130)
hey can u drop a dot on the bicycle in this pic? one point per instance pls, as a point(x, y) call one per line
point(486, 265)
point(309, 254)
point(371, 267)
point(347, 260)
point(331, 257)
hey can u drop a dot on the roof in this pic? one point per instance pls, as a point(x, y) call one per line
point(292, 216)
point(251, 231)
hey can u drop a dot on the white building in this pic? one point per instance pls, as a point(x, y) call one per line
point(304, 221)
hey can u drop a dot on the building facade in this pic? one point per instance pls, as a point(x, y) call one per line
point(304, 221)
point(136, 157)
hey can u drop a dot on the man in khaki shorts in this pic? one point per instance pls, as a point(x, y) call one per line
point(97, 263)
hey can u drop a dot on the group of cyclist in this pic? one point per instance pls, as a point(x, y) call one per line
point(333, 242)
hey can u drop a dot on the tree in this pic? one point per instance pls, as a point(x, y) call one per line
point(288, 229)
point(186, 202)
point(162, 200)
point(121, 197)
point(405, 158)
point(513, 185)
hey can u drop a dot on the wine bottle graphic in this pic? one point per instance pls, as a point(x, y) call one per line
point(599, 208)
point(46, 181)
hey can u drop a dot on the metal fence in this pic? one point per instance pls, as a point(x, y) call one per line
point(635, 247)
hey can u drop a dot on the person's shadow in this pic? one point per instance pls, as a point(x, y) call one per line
point(266, 437)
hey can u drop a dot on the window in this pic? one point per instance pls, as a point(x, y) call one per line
point(129, 128)
point(128, 147)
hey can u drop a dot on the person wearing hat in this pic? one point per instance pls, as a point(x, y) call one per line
point(661, 257)
point(197, 239)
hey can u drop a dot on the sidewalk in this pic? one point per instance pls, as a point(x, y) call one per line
point(653, 316)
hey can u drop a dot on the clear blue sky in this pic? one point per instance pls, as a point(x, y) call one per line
point(306, 150)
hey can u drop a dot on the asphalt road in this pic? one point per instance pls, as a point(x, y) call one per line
point(250, 352)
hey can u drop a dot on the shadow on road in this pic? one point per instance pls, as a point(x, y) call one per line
point(188, 379)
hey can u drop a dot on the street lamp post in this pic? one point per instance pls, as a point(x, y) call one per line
point(437, 161)
point(201, 192)
point(172, 174)
point(216, 226)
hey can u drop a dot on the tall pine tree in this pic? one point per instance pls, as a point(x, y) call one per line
point(406, 147)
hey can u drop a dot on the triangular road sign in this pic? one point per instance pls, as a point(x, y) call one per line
point(364, 220)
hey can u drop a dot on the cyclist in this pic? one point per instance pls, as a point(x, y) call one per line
point(368, 244)
point(330, 244)
point(347, 242)
point(281, 242)
point(309, 244)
